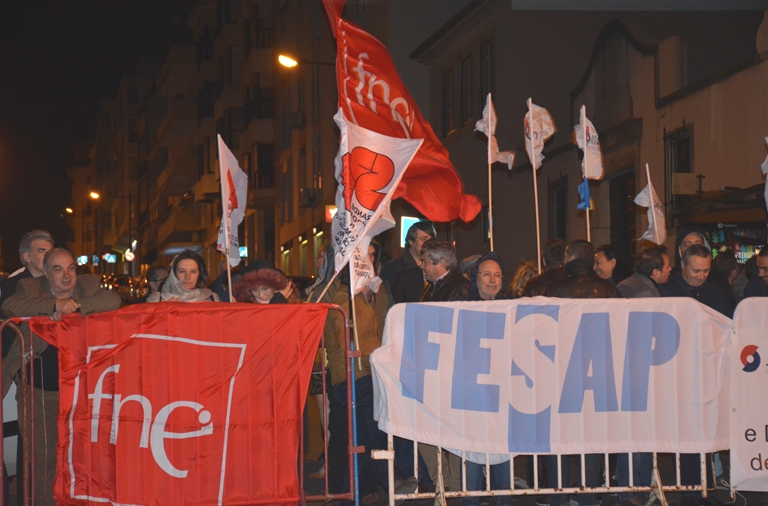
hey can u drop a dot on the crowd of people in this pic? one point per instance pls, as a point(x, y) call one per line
point(427, 271)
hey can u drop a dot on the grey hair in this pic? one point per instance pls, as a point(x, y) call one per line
point(437, 250)
point(26, 242)
point(698, 250)
point(55, 251)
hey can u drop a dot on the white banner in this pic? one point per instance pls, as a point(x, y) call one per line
point(749, 382)
point(555, 375)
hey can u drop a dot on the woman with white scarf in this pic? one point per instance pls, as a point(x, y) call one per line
point(186, 281)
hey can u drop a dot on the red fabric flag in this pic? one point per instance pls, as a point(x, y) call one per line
point(179, 403)
point(372, 95)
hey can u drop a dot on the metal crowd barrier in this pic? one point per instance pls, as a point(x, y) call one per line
point(28, 437)
point(352, 449)
point(27, 432)
point(519, 487)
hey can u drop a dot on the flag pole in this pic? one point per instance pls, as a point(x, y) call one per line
point(226, 249)
point(584, 139)
point(490, 185)
point(589, 204)
point(325, 289)
point(535, 185)
point(229, 278)
point(352, 286)
point(648, 177)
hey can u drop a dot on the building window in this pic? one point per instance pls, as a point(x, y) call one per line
point(623, 215)
point(286, 191)
point(466, 90)
point(486, 72)
point(303, 247)
point(557, 200)
point(448, 119)
point(265, 160)
point(678, 158)
point(317, 243)
point(285, 258)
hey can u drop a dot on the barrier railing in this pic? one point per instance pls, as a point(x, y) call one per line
point(519, 487)
point(28, 438)
point(26, 431)
point(352, 448)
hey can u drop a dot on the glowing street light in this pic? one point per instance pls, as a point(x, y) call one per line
point(69, 210)
point(287, 61)
point(291, 61)
point(95, 195)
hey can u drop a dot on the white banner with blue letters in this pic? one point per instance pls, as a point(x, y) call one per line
point(549, 375)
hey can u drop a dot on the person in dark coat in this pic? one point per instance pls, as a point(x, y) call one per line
point(552, 257)
point(579, 282)
point(487, 278)
point(439, 265)
point(418, 233)
point(691, 281)
point(758, 287)
point(403, 273)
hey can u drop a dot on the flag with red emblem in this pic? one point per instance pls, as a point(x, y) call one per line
point(369, 167)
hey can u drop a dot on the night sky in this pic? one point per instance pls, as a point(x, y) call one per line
point(58, 60)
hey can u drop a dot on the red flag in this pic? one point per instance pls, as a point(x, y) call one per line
point(372, 95)
point(178, 403)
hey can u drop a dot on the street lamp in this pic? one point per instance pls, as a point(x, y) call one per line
point(290, 61)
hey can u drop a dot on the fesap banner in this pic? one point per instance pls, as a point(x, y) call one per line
point(548, 375)
point(749, 382)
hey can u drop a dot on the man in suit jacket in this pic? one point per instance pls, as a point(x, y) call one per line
point(60, 291)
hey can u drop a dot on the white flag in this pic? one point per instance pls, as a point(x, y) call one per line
point(234, 196)
point(487, 125)
point(657, 224)
point(586, 136)
point(539, 126)
point(764, 166)
point(369, 167)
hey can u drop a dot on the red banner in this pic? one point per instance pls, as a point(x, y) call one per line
point(178, 403)
point(372, 95)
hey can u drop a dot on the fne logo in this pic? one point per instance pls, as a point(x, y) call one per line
point(750, 359)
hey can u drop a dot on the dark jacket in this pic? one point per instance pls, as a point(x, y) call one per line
point(453, 286)
point(390, 269)
point(408, 285)
point(8, 288)
point(756, 288)
point(581, 282)
point(538, 284)
point(708, 294)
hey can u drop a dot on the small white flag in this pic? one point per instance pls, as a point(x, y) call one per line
point(764, 166)
point(234, 196)
point(539, 126)
point(487, 125)
point(657, 224)
point(586, 136)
